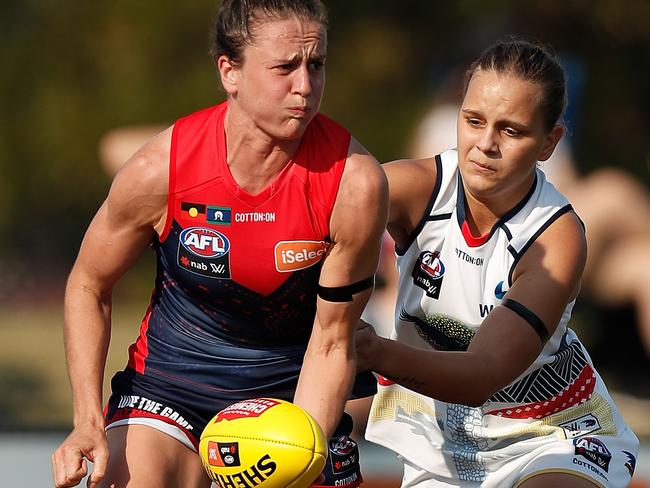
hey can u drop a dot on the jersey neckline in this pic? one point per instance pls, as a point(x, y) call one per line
point(477, 241)
point(269, 190)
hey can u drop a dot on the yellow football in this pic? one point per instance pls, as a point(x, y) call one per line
point(263, 443)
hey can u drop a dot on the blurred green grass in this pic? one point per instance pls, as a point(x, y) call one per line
point(33, 374)
point(36, 392)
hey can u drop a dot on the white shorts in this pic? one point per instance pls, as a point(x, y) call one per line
point(606, 461)
point(165, 427)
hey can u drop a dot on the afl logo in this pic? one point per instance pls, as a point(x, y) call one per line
point(205, 243)
point(430, 263)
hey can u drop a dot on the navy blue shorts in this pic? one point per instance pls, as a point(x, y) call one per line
point(147, 400)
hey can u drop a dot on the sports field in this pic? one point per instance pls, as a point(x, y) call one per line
point(25, 462)
point(37, 412)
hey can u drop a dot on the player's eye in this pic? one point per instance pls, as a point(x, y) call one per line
point(316, 65)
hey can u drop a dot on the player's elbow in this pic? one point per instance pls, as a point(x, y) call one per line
point(328, 346)
point(476, 399)
point(81, 285)
point(479, 389)
point(467, 394)
point(470, 392)
point(473, 394)
point(487, 384)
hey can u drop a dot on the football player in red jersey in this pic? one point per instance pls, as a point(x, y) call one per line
point(270, 57)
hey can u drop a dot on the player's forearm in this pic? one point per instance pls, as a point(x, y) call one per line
point(324, 386)
point(87, 336)
point(449, 376)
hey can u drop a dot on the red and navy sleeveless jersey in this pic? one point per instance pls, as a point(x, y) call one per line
point(235, 294)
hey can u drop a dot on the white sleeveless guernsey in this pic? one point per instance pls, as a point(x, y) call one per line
point(557, 416)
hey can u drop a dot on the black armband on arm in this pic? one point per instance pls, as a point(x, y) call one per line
point(529, 316)
point(345, 293)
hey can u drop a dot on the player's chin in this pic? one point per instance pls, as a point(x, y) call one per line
point(295, 127)
point(482, 183)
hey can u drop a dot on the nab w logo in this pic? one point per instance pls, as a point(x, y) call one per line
point(484, 309)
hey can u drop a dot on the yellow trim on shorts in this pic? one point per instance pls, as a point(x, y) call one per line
point(558, 470)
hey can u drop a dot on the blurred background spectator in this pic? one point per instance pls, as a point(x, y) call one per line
point(118, 145)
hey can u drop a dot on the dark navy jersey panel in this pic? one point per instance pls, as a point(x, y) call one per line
point(222, 310)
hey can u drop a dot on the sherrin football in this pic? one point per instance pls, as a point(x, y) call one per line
point(263, 443)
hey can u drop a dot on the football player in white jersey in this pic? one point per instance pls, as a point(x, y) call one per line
point(482, 383)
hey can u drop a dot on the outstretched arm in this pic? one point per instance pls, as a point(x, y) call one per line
point(119, 232)
point(545, 280)
point(356, 226)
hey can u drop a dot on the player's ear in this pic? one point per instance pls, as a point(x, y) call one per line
point(229, 74)
point(552, 140)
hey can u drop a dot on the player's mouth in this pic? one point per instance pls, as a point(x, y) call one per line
point(299, 111)
point(481, 167)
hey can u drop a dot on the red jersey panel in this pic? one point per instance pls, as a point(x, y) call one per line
point(258, 240)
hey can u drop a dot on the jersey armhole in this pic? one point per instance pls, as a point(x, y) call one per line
point(432, 200)
point(172, 185)
point(340, 168)
point(517, 255)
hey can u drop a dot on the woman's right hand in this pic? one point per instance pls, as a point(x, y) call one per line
point(69, 465)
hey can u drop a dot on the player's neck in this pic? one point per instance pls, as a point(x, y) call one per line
point(483, 211)
point(254, 157)
point(480, 219)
